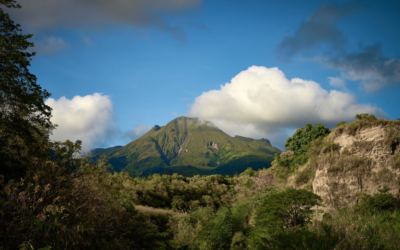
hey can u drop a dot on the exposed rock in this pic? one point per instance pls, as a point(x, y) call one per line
point(156, 128)
point(213, 145)
point(358, 161)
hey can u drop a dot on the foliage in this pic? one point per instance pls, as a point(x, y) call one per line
point(340, 124)
point(287, 163)
point(378, 202)
point(287, 209)
point(23, 113)
point(64, 204)
point(300, 141)
point(219, 230)
point(183, 194)
point(72, 201)
point(365, 116)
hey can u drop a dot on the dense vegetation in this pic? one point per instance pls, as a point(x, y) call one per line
point(66, 202)
point(53, 198)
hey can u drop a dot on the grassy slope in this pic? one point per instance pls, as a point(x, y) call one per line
point(103, 150)
point(164, 147)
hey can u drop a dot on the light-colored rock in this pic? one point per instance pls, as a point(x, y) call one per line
point(365, 161)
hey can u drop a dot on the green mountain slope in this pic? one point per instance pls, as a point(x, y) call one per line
point(103, 150)
point(188, 145)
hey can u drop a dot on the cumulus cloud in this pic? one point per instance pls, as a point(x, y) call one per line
point(99, 14)
point(319, 35)
point(135, 133)
point(88, 118)
point(262, 102)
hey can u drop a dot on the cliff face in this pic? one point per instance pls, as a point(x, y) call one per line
point(358, 157)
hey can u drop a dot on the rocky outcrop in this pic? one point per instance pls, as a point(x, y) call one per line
point(182, 145)
point(357, 158)
point(213, 145)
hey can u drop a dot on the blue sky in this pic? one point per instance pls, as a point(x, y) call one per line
point(254, 68)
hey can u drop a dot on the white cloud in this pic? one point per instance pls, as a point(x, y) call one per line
point(135, 133)
point(337, 82)
point(262, 102)
point(88, 118)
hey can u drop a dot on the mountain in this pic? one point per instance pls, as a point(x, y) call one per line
point(189, 146)
point(103, 150)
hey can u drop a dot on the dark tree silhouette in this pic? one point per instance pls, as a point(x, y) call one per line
point(24, 117)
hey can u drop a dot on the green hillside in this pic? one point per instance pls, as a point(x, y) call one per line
point(103, 150)
point(198, 147)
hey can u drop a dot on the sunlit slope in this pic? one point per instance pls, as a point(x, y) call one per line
point(190, 142)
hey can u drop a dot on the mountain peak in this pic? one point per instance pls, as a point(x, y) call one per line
point(187, 141)
point(156, 128)
point(191, 123)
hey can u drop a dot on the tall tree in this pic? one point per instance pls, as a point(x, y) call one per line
point(24, 117)
point(300, 141)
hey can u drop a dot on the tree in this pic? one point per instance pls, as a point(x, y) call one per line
point(24, 117)
point(365, 116)
point(290, 208)
point(300, 141)
point(280, 213)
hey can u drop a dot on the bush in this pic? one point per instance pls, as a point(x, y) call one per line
point(378, 202)
point(365, 116)
point(304, 176)
point(340, 124)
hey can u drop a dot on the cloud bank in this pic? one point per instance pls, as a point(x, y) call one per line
point(368, 66)
point(89, 119)
point(319, 35)
point(262, 102)
point(44, 15)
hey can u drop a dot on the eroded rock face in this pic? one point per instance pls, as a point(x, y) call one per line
point(360, 161)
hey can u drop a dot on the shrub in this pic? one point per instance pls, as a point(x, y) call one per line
point(340, 124)
point(304, 176)
point(378, 202)
point(365, 116)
